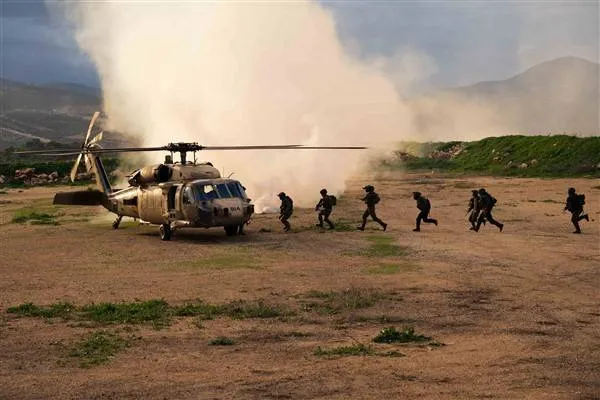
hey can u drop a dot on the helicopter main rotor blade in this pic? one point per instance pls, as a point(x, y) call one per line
point(331, 148)
point(266, 147)
point(47, 152)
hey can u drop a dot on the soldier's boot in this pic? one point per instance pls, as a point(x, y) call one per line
point(384, 225)
point(435, 222)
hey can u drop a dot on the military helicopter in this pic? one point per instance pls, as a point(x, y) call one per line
point(172, 195)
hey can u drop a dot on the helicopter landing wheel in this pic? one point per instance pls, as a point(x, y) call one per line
point(231, 230)
point(165, 232)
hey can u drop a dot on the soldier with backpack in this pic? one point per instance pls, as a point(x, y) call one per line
point(474, 209)
point(574, 205)
point(371, 199)
point(325, 207)
point(487, 204)
point(286, 210)
point(424, 206)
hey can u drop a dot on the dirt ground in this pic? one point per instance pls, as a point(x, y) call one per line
point(517, 312)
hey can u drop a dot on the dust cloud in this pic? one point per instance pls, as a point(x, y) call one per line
point(241, 74)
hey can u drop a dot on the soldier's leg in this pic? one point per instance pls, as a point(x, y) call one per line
point(429, 220)
point(490, 218)
point(320, 220)
point(326, 219)
point(473, 220)
point(480, 221)
point(575, 221)
point(419, 218)
point(364, 220)
point(374, 216)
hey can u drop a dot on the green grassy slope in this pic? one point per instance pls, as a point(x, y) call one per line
point(555, 156)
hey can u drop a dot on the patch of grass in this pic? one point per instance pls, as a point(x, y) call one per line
point(34, 217)
point(221, 341)
point(406, 335)
point(551, 201)
point(383, 246)
point(3, 192)
point(200, 309)
point(156, 312)
point(57, 310)
point(98, 348)
point(335, 302)
point(357, 349)
point(241, 309)
point(344, 226)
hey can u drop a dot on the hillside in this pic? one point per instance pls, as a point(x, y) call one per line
point(531, 156)
point(557, 97)
point(56, 112)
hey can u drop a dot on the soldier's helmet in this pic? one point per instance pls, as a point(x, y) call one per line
point(416, 195)
point(475, 191)
point(369, 188)
point(323, 191)
point(282, 194)
point(571, 191)
point(482, 190)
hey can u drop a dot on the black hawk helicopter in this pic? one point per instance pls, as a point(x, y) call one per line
point(172, 195)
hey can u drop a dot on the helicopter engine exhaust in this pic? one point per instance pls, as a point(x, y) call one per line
point(151, 174)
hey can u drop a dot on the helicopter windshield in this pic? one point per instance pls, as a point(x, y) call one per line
point(209, 191)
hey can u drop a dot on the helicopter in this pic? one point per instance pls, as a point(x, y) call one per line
point(171, 195)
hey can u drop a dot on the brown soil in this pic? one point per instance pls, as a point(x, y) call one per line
point(518, 312)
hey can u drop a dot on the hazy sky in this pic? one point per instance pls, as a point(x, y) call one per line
point(451, 42)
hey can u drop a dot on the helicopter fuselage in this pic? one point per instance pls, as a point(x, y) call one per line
point(199, 203)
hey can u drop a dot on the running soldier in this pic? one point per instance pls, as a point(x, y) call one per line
point(286, 210)
point(424, 206)
point(474, 209)
point(574, 205)
point(487, 204)
point(325, 207)
point(370, 199)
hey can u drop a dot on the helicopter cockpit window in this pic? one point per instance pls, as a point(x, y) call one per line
point(204, 192)
point(234, 190)
point(223, 192)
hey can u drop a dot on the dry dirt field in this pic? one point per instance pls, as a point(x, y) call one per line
point(511, 315)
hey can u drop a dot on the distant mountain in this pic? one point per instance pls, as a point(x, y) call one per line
point(555, 97)
point(51, 112)
point(558, 96)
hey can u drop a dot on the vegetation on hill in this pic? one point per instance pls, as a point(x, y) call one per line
point(527, 156)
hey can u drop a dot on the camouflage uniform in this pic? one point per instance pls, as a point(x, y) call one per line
point(286, 210)
point(424, 206)
point(370, 199)
point(487, 204)
point(574, 204)
point(325, 207)
point(474, 209)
